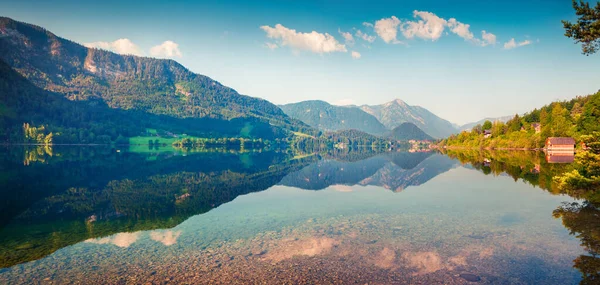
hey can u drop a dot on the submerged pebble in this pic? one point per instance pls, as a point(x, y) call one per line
point(470, 277)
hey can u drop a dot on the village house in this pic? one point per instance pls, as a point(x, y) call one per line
point(487, 134)
point(563, 144)
point(537, 127)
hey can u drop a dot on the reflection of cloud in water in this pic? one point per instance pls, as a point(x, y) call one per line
point(167, 238)
point(386, 258)
point(341, 188)
point(286, 249)
point(424, 262)
point(120, 239)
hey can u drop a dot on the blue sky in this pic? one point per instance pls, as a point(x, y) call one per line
point(434, 60)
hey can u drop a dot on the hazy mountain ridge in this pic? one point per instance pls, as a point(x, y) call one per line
point(394, 113)
point(377, 119)
point(327, 117)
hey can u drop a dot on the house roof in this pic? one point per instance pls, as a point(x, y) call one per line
point(560, 140)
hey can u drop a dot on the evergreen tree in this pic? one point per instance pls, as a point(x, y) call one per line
point(587, 29)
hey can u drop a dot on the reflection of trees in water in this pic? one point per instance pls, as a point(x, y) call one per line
point(528, 166)
point(582, 219)
point(90, 197)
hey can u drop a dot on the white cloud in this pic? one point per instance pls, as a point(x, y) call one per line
point(313, 41)
point(488, 38)
point(387, 29)
point(365, 36)
point(271, 46)
point(348, 38)
point(430, 27)
point(121, 46)
point(166, 49)
point(513, 44)
point(356, 55)
point(367, 24)
point(461, 29)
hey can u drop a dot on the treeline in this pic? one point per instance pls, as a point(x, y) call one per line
point(204, 143)
point(573, 118)
point(340, 139)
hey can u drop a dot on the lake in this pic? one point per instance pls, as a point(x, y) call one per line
point(102, 215)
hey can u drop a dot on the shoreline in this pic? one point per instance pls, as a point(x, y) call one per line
point(491, 148)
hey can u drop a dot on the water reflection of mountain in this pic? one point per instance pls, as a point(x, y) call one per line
point(402, 172)
point(71, 198)
point(391, 170)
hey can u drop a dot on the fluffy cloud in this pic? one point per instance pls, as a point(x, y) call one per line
point(364, 36)
point(460, 29)
point(166, 49)
point(348, 38)
point(313, 41)
point(463, 30)
point(430, 27)
point(121, 46)
point(387, 29)
point(513, 44)
point(356, 55)
point(367, 24)
point(488, 38)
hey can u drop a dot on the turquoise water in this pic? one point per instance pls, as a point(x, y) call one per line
point(272, 218)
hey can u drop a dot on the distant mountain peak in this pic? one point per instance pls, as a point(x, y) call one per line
point(392, 114)
point(325, 116)
point(400, 102)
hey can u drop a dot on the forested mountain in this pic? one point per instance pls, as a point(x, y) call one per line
point(469, 126)
point(327, 117)
point(396, 112)
point(97, 81)
point(408, 131)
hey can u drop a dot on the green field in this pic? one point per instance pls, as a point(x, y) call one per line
point(140, 144)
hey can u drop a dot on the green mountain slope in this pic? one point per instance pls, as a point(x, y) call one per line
point(138, 85)
point(396, 112)
point(408, 131)
point(327, 117)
